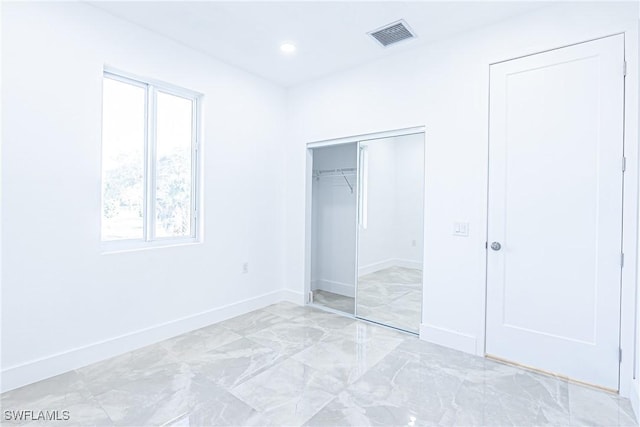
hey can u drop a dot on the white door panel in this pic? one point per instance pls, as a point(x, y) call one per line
point(555, 206)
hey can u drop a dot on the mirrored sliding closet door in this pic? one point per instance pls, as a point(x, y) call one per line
point(390, 231)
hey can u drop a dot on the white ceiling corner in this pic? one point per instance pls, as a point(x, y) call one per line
point(329, 36)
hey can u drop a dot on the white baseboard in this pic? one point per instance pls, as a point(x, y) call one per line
point(340, 288)
point(376, 266)
point(293, 297)
point(448, 338)
point(46, 367)
point(634, 397)
point(392, 262)
point(407, 263)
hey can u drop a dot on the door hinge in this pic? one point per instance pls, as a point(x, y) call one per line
point(624, 68)
point(486, 245)
point(620, 355)
point(622, 260)
point(624, 164)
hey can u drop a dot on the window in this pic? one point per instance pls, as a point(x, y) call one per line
point(149, 161)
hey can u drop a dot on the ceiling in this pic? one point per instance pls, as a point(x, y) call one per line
point(330, 36)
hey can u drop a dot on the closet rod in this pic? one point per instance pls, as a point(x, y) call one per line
point(326, 171)
point(325, 175)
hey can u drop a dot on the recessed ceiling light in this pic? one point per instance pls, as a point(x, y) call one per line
point(288, 47)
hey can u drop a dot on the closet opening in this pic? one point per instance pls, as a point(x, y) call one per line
point(333, 226)
point(365, 227)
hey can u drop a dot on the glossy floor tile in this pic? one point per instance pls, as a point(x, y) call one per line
point(392, 296)
point(292, 365)
point(335, 301)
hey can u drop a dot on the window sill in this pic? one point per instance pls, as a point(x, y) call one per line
point(123, 246)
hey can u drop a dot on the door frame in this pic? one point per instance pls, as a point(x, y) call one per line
point(628, 286)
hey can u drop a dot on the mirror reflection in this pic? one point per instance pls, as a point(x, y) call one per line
point(390, 231)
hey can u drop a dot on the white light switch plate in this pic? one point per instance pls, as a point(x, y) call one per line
point(461, 229)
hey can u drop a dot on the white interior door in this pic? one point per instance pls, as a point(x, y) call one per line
point(555, 208)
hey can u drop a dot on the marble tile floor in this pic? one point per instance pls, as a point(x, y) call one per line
point(392, 296)
point(292, 365)
point(338, 302)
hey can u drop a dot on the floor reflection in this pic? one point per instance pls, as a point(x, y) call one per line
point(392, 296)
point(334, 301)
point(292, 365)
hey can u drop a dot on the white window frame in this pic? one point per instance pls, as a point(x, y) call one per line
point(149, 239)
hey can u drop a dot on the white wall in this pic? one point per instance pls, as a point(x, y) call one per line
point(409, 199)
point(445, 87)
point(66, 304)
point(334, 222)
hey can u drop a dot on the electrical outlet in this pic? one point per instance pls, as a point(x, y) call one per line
point(245, 267)
point(414, 243)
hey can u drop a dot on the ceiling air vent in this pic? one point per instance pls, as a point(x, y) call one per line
point(392, 33)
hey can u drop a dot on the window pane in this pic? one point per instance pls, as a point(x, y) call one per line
point(123, 124)
point(173, 167)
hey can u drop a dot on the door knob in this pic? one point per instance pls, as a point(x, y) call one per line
point(496, 246)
